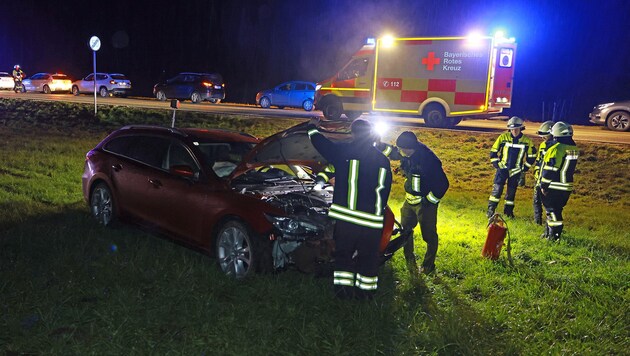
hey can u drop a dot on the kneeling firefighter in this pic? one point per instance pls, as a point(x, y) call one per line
point(363, 181)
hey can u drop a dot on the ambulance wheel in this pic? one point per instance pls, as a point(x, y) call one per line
point(332, 111)
point(351, 115)
point(434, 116)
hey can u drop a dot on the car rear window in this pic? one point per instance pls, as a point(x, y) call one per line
point(118, 77)
point(4, 75)
point(60, 76)
point(214, 78)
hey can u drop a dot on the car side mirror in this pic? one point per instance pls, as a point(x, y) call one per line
point(182, 170)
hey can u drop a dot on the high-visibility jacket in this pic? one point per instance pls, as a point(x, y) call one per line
point(540, 154)
point(513, 153)
point(559, 165)
point(363, 179)
point(327, 173)
point(423, 171)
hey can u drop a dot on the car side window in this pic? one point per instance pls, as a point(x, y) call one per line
point(150, 150)
point(286, 87)
point(179, 155)
point(300, 86)
point(119, 145)
point(310, 87)
point(101, 77)
point(89, 78)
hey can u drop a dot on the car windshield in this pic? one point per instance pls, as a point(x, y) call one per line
point(223, 157)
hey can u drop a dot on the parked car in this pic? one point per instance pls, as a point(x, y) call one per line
point(6, 81)
point(195, 87)
point(106, 84)
point(251, 203)
point(294, 94)
point(48, 83)
point(616, 116)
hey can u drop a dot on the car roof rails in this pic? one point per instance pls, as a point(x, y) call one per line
point(155, 127)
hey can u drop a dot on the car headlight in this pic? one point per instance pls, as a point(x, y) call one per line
point(604, 106)
point(317, 87)
point(295, 226)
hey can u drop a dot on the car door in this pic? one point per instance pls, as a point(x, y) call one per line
point(87, 83)
point(172, 86)
point(297, 94)
point(282, 94)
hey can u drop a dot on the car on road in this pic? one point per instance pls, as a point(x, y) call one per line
point(615, 116)
point(6, 81)
point(296, 94)
point(47, 83)
point(253, 204)
point(106, 84)
point(196, 87)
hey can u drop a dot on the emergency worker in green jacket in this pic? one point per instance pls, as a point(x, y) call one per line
point(556, 179)
point(511, 154)
point(545, 133)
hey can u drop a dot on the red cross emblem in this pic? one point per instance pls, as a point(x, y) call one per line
point(430, 60)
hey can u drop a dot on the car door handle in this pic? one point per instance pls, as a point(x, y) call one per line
point(155, 182)
point(117, 167)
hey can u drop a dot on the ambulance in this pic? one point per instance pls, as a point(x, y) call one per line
point(440, 79)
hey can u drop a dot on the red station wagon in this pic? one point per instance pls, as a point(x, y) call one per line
point(253, 204)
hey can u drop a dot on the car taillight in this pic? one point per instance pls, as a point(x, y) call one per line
point(112, 82)
point(207, 84)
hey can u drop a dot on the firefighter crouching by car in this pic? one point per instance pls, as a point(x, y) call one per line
point(363, 181)
point(511, 154)
point(545, 133)
point(425, 185)
point(556, 179)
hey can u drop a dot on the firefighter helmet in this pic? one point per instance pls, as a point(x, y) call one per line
point(16, 67)
point(515, 122)
point(407, 139)
point(562, 129)
point(361, 128)
point(545, 128)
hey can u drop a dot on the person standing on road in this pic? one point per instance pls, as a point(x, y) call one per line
point(425, 185)
point(18, 75)
point(363, 182)
point(545, 133)
point(511, 154)
point(556, 179)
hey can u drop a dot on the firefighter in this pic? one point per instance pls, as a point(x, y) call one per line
point(425, 185)
point(363, 181)
point(545, 133)
point(556, 178)
point(18, 75)
point(511, 154)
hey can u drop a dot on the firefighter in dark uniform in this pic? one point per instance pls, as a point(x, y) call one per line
point(511, 154)
point(363, 180)
point(556, 179)
point(545, 133)
point(425, 185)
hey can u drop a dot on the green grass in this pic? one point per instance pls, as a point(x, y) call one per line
point(68, 286)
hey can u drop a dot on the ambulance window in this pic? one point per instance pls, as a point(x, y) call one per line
point(505, 57)
point(356, 68)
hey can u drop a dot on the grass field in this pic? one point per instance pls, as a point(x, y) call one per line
point(70, 287)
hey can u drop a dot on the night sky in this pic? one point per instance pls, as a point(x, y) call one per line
point(572, 53)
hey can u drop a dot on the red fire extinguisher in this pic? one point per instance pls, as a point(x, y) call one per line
point(497, 231)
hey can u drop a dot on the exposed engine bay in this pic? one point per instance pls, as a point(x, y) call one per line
point(302, 237)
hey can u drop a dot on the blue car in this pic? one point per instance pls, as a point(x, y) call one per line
point(293, 94)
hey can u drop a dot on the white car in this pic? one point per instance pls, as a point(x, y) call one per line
point(47, 83)
point(106, 84)
point(6, 81)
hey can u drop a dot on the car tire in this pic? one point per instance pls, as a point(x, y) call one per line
point(265, 103)
point(102, 204)
point(307, 105)
point(75, 90)
point(618, 121)
point(159, 95)
point(435, 116)
point(195, 97)
point(351, 115)
point(47, 89)
point(103, 92)
point(239, 253)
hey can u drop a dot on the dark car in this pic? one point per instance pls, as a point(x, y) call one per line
point(294, 94)
point(253, 204)
point(195, 87)
point(615, 116)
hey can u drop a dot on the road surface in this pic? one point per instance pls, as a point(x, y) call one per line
point(581, 133)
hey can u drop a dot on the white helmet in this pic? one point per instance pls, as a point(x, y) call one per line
point(562, 129)
point(545, 128)
point(515, 122)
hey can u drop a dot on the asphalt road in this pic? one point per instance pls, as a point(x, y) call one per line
point(581, 133)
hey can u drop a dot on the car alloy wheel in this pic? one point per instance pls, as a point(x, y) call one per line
point(102, 204)
point(265, 103)
point(103, 92)
point(234, 250)
point(47, 89)
point(75, 90)
point(195, 98)
point(307, 105)
point(619, 121)
point(160, 95)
